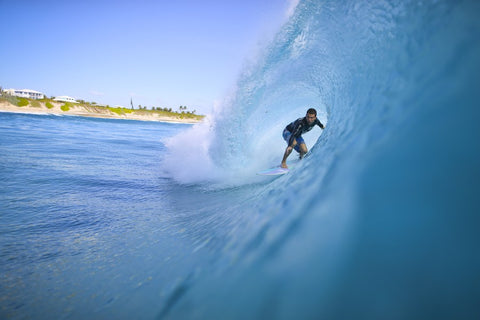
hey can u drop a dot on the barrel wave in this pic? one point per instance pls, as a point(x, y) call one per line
point(380, 221)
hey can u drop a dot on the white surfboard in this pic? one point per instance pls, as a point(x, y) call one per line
point(275, 171)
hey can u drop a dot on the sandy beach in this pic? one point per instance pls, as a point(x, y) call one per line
point(92, 111)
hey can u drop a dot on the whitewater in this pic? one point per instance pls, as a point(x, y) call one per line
point(380, 221)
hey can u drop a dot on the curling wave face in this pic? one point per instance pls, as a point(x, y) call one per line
point(381, 214)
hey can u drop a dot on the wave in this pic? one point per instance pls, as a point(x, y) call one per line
point(381, 214)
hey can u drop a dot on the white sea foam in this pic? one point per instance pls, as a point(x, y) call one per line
point(187, 159)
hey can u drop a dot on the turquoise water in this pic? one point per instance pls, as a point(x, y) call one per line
point(134, 220)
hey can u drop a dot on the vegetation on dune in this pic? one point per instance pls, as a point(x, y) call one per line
point(92, 107)
point(10, 99)
point(120, 111)
point(167, 112)
point(23, 102)
point(66, 106)
point(36, 104)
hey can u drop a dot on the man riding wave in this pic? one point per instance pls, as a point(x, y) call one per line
point(293, 134)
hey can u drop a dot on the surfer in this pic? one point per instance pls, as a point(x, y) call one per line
point(293, 134)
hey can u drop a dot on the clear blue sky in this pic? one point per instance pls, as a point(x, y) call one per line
point(162, 53)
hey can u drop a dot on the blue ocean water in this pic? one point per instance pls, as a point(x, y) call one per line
point(134, 220)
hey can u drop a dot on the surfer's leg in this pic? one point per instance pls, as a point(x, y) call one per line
point(299, 141)
point(287, 153)
point(303, 150)
point(301, 146)
point(286, 136)
point(296, 146)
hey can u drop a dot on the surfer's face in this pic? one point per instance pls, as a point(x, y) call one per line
point(311, 118)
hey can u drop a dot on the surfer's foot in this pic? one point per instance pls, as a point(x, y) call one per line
point(284, 165)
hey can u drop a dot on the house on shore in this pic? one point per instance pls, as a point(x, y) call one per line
point(65, 99)
point(25, 93)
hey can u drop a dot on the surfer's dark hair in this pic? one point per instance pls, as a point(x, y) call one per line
point(312, 111)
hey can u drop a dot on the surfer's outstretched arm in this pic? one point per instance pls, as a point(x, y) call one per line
point(321, 125)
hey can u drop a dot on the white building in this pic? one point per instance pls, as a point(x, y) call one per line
point(65, 99)
point(25, 93)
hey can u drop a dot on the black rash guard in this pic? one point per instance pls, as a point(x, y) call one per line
point(300, 126)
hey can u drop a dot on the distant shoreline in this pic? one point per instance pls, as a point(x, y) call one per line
point(88, 111)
